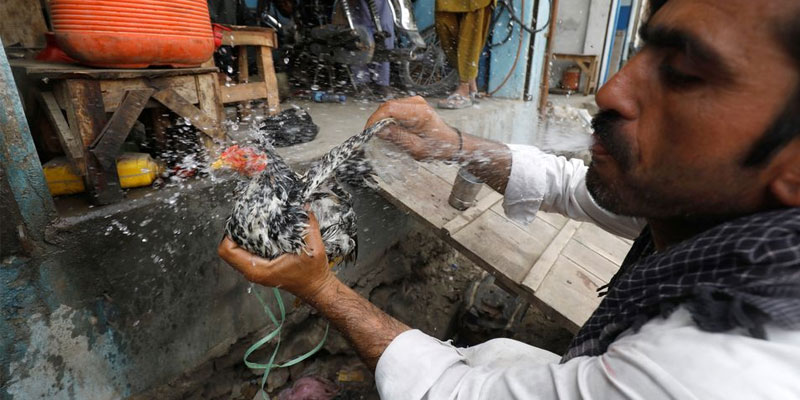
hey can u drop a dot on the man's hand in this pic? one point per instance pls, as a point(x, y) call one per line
point(302, 275)
point(368, 329)
point(420, 131)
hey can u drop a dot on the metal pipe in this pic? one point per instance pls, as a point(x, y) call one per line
point(21, 165)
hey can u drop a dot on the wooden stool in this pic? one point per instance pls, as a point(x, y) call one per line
point(587, 64)
point(262, 86)
point(92, 141)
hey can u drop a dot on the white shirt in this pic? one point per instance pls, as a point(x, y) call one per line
point(666, 359)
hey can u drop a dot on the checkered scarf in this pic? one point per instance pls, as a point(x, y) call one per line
point(740, 274)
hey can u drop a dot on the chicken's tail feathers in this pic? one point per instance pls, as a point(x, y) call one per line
point(322, 170)
point(357, 171)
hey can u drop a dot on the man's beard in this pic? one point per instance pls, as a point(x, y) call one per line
point(606, 131)
point(664, 194)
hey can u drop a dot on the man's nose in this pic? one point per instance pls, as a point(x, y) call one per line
point(623, 92)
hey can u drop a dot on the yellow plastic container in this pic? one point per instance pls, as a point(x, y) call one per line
point(134, 170)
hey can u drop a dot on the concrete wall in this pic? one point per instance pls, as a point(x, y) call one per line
point(580, 29)
point(573, 17)
point(124, 298)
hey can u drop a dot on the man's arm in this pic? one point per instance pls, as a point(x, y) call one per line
point(368, 329)
point(528, 178)
point(422, 133)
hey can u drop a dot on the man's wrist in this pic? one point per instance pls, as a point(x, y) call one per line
point(453, 149)
point(316, 292)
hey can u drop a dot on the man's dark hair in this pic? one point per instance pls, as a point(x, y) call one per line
point(786, 127)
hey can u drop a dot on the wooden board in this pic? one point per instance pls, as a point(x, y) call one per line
point(70, 143)
point(503, 247)
point(266, 71)
point(535, 276)
point(423, 194)
point(107, 146)
point(179, 105)
point(114, 90)
point(553, 262)
point(249, 36)
point(243, 92)
point(22, 23)
point(570, 291)
point(40, 70)
point(610, 246)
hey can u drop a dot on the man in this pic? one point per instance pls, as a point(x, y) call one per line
point(378, 72)
point(462, 27)
point(699, 138)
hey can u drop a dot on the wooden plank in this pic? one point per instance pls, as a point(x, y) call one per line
point(502, 246)
point(244, 70)
point(423, 194)
point(38, 70)
point(543, 261)
point(448, 173)
point(591, 261)
point(209, 102)
point(602, 242)
point(249, 36)
point(72, 145)
point(571, 291)
point(470, 214)
point(114, 90)
point(23, 23)
point(243, 77)
point(160, 121)
point(209, 97)
point(548, 57)
point(184, 108)
point(106, 147)
point(541, 268)
point(86, 112)
point(266, 71)
point(243, 92)
point(555, 220)
point(85, 109)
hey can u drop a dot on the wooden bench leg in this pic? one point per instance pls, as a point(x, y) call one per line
point(243, 77)
point(266, 70)
point(86, 116)
point(106, 146)
point(159, 118)
point(591, 85)
point(209, 100)
point(207, 123)
point(71, 143)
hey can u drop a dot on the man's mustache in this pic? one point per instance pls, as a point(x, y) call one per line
point(606, 130)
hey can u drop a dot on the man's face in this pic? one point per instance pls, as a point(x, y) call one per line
point(684, 113)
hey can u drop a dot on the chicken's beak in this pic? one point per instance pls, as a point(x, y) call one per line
point(219, 163)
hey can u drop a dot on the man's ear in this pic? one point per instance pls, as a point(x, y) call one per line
point(786, 184)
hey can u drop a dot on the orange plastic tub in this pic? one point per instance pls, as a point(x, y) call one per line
point(134, 33)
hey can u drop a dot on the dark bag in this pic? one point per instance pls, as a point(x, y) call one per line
point(290, 127)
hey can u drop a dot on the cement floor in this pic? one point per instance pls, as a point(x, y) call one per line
point(508, 121)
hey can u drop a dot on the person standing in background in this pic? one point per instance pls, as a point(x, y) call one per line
point(378, 72)
point(463, 26)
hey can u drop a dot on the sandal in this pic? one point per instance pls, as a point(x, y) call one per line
point(455, 102)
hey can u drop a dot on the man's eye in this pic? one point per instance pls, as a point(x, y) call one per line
point(676, 79)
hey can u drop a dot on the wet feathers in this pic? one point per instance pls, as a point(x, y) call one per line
point(269, 218)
